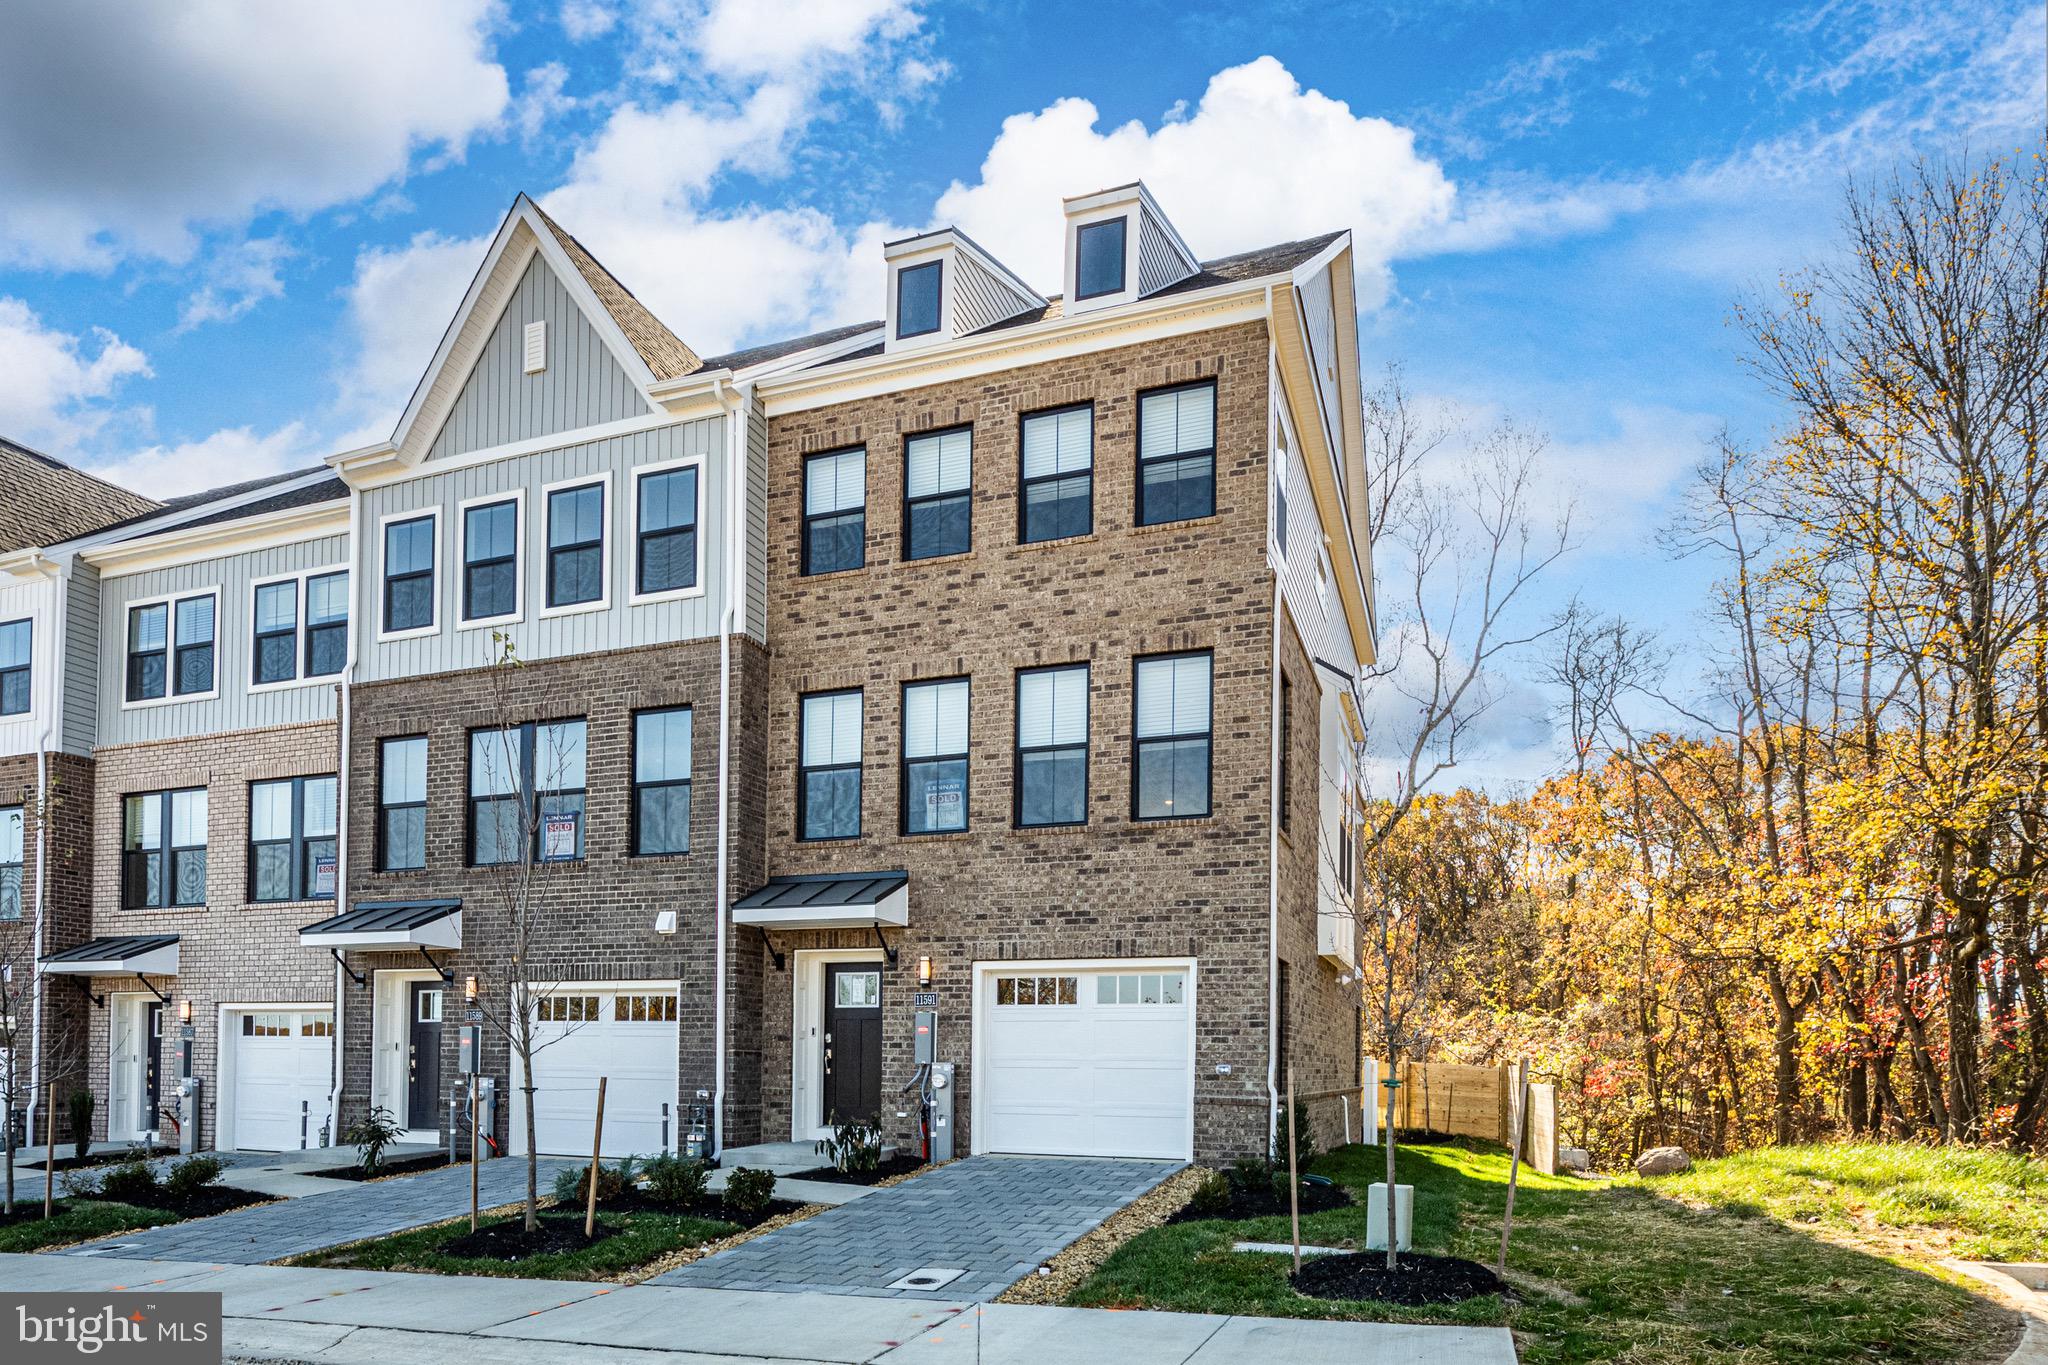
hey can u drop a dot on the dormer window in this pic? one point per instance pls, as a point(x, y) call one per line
point(917, 299)
point(1099, 258)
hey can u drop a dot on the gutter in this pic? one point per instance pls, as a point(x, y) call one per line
point(1273, 790)
point(341, 743)
point(52, 727)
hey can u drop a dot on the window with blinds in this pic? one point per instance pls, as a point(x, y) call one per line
point(935, 757)
point(1058, 471)
point(828, 771)
point(1177, 454)
point(835, 526)
point(1052, 746)
point(402, 803)
point(1171, 773)
point(938, 475)
point(661, 781)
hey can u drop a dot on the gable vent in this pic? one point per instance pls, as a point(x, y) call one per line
point(536, 347)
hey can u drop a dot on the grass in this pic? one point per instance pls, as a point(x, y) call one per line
point(638, 1237)
point(1607, 1271)
point(78, 1220)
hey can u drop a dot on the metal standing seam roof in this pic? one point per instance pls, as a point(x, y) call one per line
point(831, 889)
point(116, 949)
point(376, 916)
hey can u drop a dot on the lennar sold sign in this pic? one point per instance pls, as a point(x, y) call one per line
point(117, 1329)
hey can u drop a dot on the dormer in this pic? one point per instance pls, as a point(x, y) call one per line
point(1121, 248)
point(942, 286)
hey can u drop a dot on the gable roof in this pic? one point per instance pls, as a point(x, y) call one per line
point(666, 353)
point(48, 501)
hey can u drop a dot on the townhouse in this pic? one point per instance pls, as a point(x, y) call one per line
point(994, 658)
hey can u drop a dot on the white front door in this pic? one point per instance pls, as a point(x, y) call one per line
point(282, 1061)
point(624, 1032)
point(1085, 1060)
point(127, 1023)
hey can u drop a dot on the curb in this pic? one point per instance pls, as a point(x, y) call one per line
point(2016, 1285)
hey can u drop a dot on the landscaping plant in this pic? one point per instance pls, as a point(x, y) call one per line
point(747, 1192)
point(572, 1186)
point(187, 1178)
point(1211, 1198)
point(855, 1146)
point(675, 1182)
point(370, 1137)
point(131, 1182)
point(80, 1105)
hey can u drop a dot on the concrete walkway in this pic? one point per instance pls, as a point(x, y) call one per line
point(347, 1212)
point(282, 1175)
point(990, 1218)
point(374, 1318)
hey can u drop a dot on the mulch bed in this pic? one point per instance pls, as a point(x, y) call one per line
point(638, 1200)
point(72, 1163)
point(510, 1241)
point(403, 1165)
point(1418, 1279)
point(900, 1164)
point(207, 1201)
point(1257, 1203)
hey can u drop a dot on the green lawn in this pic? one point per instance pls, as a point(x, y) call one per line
point(78, 1220)
point(1608, 1271)
point(638, 1238)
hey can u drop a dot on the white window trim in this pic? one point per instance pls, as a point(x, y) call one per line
point(433, 626)
point(607, 544)
point(630, 541)
point(299, 677)
point(1132, 209)
point(517, 497)
point(171, 696)
point(948, 261)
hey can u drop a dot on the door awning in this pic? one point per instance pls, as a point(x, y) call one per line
point(389, 924)
point(140, 954)
point(857, 900)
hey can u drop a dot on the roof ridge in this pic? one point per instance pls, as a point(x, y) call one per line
point(666, 354)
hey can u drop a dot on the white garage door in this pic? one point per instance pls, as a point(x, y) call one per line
point(281, 1079)
point(1086, 1062)
point(626, 1035)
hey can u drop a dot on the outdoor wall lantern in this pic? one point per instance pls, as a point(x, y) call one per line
point(924, 971)
point(184, 1011)
point(469, 990)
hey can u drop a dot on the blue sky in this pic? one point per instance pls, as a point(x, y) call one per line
point(229, 241)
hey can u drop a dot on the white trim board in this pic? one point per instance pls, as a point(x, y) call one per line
point(806, 1023)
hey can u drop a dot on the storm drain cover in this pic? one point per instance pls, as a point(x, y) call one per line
point(105, 1247)
point(930, 1277)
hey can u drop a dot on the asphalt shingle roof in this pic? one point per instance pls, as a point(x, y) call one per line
point(44, 501)
point(665, 352)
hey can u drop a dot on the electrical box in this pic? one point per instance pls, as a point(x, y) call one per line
point(188, 1113)
point(469, 1049)
point(182, 1055)
point(925, 1038)
point(942, 1112)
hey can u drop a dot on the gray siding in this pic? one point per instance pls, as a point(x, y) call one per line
point(236, 708)
point(979, 298)
point(581, 386)
point(81, 660)
point(757, 520)
point(617, 626)
point(1319, 314)
point(1158, 263)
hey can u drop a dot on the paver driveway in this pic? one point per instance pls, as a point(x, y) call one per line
point(354, 1210)
point(992, 1217)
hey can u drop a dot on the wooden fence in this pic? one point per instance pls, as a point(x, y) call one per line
point(1477, 1101)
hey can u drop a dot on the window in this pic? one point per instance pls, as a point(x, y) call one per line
point(1286, 753)
point(666, 557)
point(1177, 454)
point(1038, 990)
point(1280, 514)
point(1052, 746)
point(828, 769)
point(545, 760)
point(935, 757)
point(1099, 258)
point(326, 623)
point(835, 511)
point(409, 574)
point(427, 1007)
point(163, 849)
point(567, 1009)
point(11, 846)
point(192, 646)
point(661, 781)
point(576, 545)
point(277, 632)
point(402, 804)
point(148, 643)
point(266, 1026)
point(644, 1009)
point(14, 667)
point(1141, 988)
point(490, 561)
point(171, 643)
point(1059, 475)
point(938, 474)
point(1171, 777)
point(292, 824)
point(857, 990)
point(917, 299)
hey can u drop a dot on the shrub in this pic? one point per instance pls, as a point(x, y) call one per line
point(1305, 1148)
point(674, 1181)
point(747, 1192)
point(1255, 1178)
point(371, 1136)
point(131, 1182)
point(855, 1146)
point(81, 1103)
point(1212, 1197)
point(573, 1185)
point(188, 1177)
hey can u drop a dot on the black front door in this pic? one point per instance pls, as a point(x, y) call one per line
point(152, 1068)
point(853, 1040)
point(423, 1056)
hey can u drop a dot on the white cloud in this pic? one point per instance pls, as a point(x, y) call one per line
point(399, 303)
point(583, 20)
point(53, 384)
point(234, 455)
point(236, 281)
point(784, 38)
point(127, 127)
point(540, 100)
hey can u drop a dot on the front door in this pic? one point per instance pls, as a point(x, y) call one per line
point(853, 1040)
point(152, 1067)
point(423, 1056)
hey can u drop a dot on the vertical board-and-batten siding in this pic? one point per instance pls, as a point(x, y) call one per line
point(581, 385)
point(81, 662)
point(1319, 314)
point(757, 520)
point(1159, 264)
point(617, 626)
point(33, 600)
point(237, 707)
point(980, 299)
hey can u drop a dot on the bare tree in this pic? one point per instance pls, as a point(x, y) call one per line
point(24, 921)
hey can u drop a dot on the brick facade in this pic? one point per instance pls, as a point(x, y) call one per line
point(58, 827)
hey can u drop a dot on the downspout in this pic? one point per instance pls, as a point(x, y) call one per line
point(52, 727)
point(1272, 787)
point(341, 744)
point(735, 587)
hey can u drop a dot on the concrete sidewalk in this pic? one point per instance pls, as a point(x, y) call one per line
point(373, 1318)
